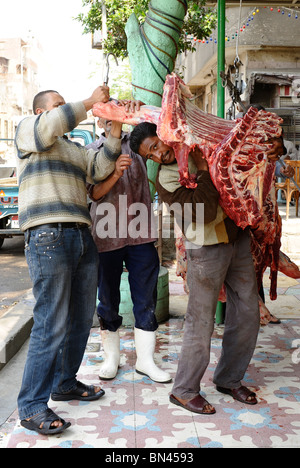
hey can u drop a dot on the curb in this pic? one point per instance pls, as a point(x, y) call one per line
point(15, 328)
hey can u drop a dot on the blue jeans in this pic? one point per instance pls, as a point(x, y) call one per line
point(63, 266)
point(142, 264)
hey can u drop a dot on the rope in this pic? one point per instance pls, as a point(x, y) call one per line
point(184, 4)
point(163, 51)
point(145, 89)
point(150, 46)
point(176, 29)
point(157, 11)
point(166, 34)
point(145, 43)
point(151, 182)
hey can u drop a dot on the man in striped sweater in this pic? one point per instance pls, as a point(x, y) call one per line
point(61, 255)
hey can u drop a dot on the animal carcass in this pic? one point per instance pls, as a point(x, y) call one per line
point(238, 165)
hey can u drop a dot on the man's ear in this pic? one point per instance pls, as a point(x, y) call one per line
point(100, 124)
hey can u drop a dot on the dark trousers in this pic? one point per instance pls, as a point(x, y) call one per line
point(142, 264)
point(208, 268)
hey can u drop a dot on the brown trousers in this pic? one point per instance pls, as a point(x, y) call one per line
point(208, 268)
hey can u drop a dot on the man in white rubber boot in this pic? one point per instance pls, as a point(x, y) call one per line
point(110, 212)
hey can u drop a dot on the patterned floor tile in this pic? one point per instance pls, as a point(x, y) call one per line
point(136, 413)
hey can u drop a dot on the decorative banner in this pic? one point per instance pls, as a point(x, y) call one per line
point(245, 23)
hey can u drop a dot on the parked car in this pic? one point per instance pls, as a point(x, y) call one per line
point(9, 190)
point(9, 220)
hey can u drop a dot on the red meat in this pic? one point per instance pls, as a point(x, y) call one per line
point(236, 155)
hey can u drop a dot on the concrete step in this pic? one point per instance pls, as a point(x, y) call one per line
point(290, 238)
point(15, 327)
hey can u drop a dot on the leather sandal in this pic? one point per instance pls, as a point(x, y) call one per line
point(45, 419)
point(196, 405)
point(77, 393)
point(274, 320)
point(241, 393)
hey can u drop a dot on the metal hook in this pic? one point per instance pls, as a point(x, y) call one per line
point(107, 66)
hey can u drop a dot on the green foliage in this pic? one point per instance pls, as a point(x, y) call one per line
point(199, 22)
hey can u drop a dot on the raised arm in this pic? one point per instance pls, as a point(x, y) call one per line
point(104, 162)
point(100, 190)
point(36, 134)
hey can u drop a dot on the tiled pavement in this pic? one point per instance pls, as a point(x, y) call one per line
point(135, 412)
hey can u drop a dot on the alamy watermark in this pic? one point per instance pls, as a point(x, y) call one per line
point(296, 353)
point(2, 354)
point(133, 220)
point(295, 91)
point(3, 346)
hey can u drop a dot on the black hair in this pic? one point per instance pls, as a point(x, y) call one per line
point(40, 99)
point(140, 133)
point(256, 106)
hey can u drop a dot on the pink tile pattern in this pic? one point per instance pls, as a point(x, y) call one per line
point(136, 413)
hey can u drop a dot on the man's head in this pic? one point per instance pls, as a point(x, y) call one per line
point(256, 106)
point(144, 141)
point(47, 100)
point(105, 124)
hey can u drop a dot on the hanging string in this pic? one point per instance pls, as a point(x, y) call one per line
point(237, 59)
point(246, 21)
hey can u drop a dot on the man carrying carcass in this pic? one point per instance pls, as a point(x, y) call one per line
point(125, 187)
point(224, 257)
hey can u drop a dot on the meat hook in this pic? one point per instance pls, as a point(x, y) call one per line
point(107, 66)
point(234, 92)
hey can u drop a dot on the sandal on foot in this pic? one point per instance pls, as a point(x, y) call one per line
point(274, 320)
point(196, 405)
point(77, 393)
point(240, 394)
point(45, 419)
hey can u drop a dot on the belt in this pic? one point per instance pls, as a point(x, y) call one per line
point(59, 225)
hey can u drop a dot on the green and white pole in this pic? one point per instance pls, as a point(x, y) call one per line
point(221, 103)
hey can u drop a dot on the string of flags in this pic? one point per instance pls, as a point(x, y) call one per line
point(245, 23)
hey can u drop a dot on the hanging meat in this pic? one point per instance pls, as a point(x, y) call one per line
point(235, 150)
point(113, 111)
point(238, 165)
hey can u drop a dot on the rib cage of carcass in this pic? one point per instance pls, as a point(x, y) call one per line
point(235, 150)
point(238, 165)
point(236, 156)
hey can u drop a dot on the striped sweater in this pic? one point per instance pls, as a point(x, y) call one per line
point(53, 171)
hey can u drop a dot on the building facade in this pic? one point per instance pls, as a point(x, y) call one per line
point(262, 57)
point(18, 81)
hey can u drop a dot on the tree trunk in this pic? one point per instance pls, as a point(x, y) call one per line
point(152, 49)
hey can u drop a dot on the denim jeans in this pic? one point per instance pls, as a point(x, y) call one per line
point(142, 264)
point(63, 266)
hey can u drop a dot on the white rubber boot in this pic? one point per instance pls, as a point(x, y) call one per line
point(111, 345)
point(145, 365)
